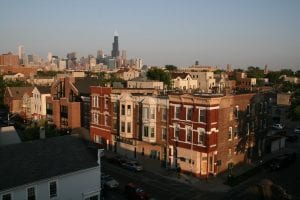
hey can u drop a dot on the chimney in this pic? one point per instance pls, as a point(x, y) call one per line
point(42, 133)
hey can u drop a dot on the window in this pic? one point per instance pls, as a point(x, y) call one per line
point(123, 127)
point(177, 112)
point(115, 124)
point(95, 101)
point(164, 134)
point(145, 113)
point(176, 132)
point(123, 109)
point(236, 112)
point(189, 133)
point(235, 132)
point(105, 120)
point(152, 133)
point(201, 136)
point(189, 114)
point(115, 107)
point(95, 197)
point(152, 113)
point(202, 115)
point(128, 110)
point(31, 193)
point(146, 129)
point(230, 133)
point(128, 127)
point(7, 197)
point(106, 103)
point(164, 114)
point(53, 189)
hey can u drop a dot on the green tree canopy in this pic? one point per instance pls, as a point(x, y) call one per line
point(160, 75)
point(255, 72)
point(170, 67)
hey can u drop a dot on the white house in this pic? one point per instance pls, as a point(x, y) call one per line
point(38, 104)
point(183, 81)
point(54, 168)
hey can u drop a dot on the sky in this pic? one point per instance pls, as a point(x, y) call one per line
point(179, 32)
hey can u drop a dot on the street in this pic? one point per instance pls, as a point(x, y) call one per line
point(158, 187)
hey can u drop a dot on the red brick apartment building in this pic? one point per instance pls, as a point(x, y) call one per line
point(101, 116)
point(69, 103)
point(208, 133)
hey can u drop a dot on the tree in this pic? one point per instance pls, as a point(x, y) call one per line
point(274, 77)
point(287, 72)
point(255, 72)
point(170, 67)
point(160, 75)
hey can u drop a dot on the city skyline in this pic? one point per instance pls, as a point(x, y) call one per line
point(214, 33)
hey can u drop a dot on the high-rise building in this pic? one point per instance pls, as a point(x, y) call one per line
point(9, 59)
point(115, 46)
point(49, 57)
point(21, 54)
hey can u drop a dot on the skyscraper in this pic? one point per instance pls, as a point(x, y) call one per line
point(21, 54)
point(115, 46)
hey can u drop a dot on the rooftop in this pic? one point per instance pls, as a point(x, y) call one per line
point(32, 161)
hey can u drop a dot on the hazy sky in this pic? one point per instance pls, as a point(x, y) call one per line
point(215, 32)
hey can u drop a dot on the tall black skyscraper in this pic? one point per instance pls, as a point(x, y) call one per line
point(115, 46)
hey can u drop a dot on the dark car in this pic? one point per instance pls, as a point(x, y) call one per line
point(133, 165)
point(117, 160)
point(292, 138)
point(135, 193)
point(282, 161)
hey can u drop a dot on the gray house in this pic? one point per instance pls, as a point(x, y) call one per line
point(54, 168)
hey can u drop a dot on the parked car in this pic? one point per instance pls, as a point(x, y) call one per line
point(108, 181)
point(278, 126)
point(292, 138)
point(297, 130)
point(118, 160)
point(133, 165)
point(134, 192)
point(282, 161)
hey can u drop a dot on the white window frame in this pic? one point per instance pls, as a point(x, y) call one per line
point(10, 193)
point(163, 132)
point(176, 126)
point(152, 112)
point(105, 120)
point(129, 109)
point(56, 182)
point(175, 108)
point(123, 131)
point(187, 111)
point(201, 131)
point(128, 123)
point(230, 133)
point(200, 109)
point(147, 131)
point(187, 129)
point(152, 130)
point(35, 192)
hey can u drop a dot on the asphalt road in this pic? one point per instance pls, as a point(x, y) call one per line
point(158, 187)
